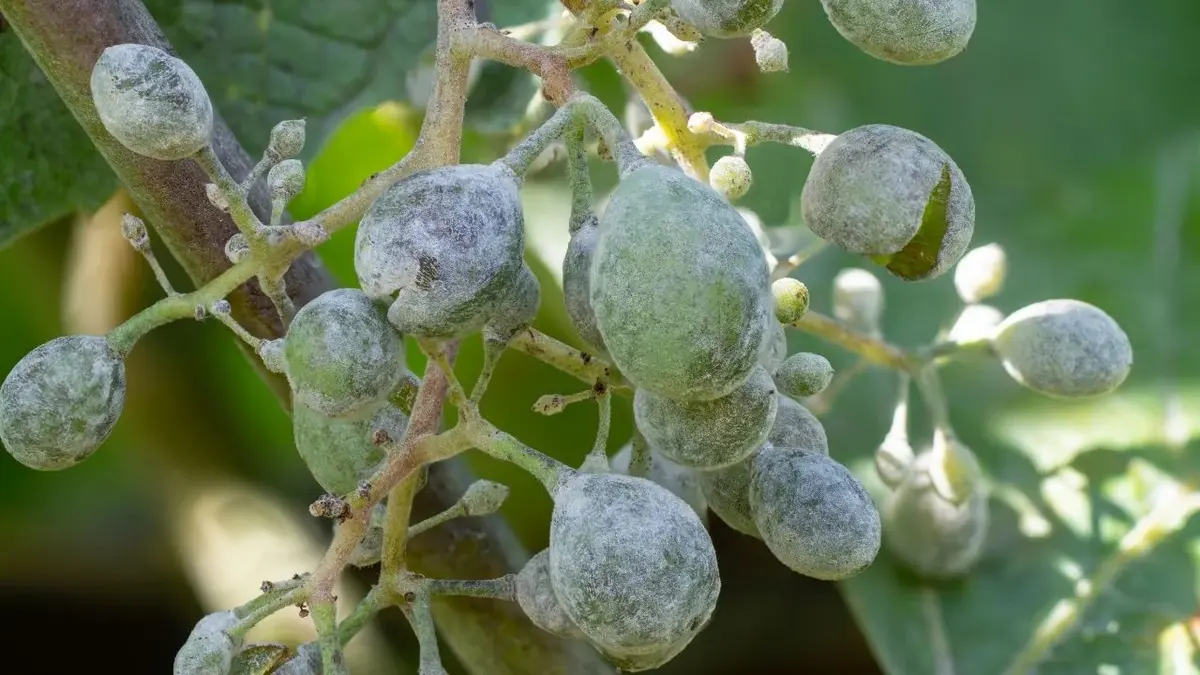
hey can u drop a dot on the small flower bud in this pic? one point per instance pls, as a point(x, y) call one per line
point(804, 374)
point(791, 299)
point(484, 497)
point(769, 51)
point(974, 323)
point(287, 139)
point(134, 231)
point(731, 176)
point(980, 274)
point(286, 180)
point(858, 299)
point(236, 248)
point(215, 197)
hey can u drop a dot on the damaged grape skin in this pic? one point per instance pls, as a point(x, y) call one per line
point(680, 480)
point(342, 355)
point(339, 453)
point(709, 434)
point(535, 595)
point(727, 18)
point(679, 285)
point(813, 514)
point(905, 32)
point(442, 247)
point(61, 401)
point(632, 565)
point(576, 283)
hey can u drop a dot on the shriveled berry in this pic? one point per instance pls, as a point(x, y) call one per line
point(209, 648)
point(443, 246)
point(731, 177)
point(343, 357)
point(680, 480)
point(536, 596)
point(894, 195)
point(631, 564)
point(576, 282)
point(905, 32)
point(339, 452)
point(679, 285)
point(151, 102)
point(1064, 349)
point(709, 434)
point(60, 402)
point(813, 513)
point(804, 374)
point(727, 18)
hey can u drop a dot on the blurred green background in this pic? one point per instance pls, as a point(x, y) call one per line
point(1075, 123)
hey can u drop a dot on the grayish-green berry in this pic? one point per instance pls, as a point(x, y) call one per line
point(631, 563)
point(770, 52)
point(680, 480)
point(981, 272)
point(443, 247)
point(906, 32)
point(343, 357)
point(894, 195)
point(796, 427)
point(813, 513)
point(536, 596)
point(517, 309)
point(931, 535)
point(370, 549)
point(791, 299)
point(285, 180)
point(287, 139)
point(709, 434)
point(727, 18)
point(804, 374)
point(775, 346)
point(576, 282)
point(731, 177)
point(209, 648)
point(858, 299)
point(60, 402)
point(307, 661)
point(679, 285)
point(151, 102)
point(1064, 349)
point(339, 452)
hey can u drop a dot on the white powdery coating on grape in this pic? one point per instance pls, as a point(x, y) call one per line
point(679, 285)
point(536, 596)
point(516, 310)
point(343, 357)
point(907, 32)
point(209, 648)
point(813, 514)
point(576, 282)
point(631, 563)
point(796, 427)
point(867, 193)
point(443, 246)
point(339, 453)
point(307, 661)
point(709, 434)
point(1064, 349)
point(61, 401)
point(680, 480)
point(770, 52)
point(804, 374)
point(151, 102)
point(731, 176)
point(775, 347)
point(727, 18)
point(932, 536)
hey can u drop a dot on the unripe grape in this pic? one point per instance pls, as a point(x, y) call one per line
point(576, 282)
point(209, 648)
point(906, 32)
point(731, 177)
point(611, 537)
point(151, 102)
point(709, 434)
point(343, 357)
point(727, 18)
point(796, 427)
point(443, 246)
point(930, 534)
point(770, 52)
point(287, 139)
point(858, 299)
point(774, 348)
point(680, 480)
point(1064, 349)
point(804, 374)
point(791, 299)
point(536, 596)
point(60, 402)
point(894, 195)
point(980, 274)
point(679, 285)
point(339, 452)
point(307, 661)
point(285, 180)
point(516, 310)
point(813, 513)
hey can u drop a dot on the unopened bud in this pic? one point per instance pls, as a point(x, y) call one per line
point(286, 180)
point(770, 52)
point(981, 272)
point(976, 322)
point(858, 299)
point(287, 139)
point(484, 497)
point(731, 176)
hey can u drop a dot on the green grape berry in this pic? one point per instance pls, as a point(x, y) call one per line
point(576, 283)
point(209, 648)
point(813, 513)
point(680, 480)
point(791, 299)
point(1064, 349)
point(631, 564)
point(339, 452)
point(342, 355)
point(727, 18)
point(535, 595)
point(905, 32)
point(679, 285)
point(516, 310)
point(893, 195)
point(931, 535)
point(151, 102)
point(731, 177)
point(804, 374)
point(443, 247)
point(709, 434)
point(60, 402)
